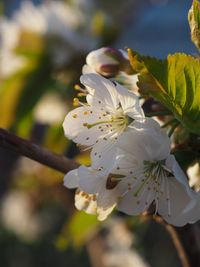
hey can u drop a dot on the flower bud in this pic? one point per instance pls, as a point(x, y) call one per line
point(106, 61)
point(193, 16)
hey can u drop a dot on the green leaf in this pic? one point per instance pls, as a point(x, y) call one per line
point(175, 82)
point(194, 22)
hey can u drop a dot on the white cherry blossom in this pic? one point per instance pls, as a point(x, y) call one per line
point(152, 175)
point(143, 174)
point(110, 110)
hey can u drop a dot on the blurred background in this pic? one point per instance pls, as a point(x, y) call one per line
point(43, 46)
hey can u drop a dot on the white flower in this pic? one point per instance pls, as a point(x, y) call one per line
point(143, 174)
point(110, 110)
point(152, 175)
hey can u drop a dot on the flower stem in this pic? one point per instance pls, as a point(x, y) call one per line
point(168, 123)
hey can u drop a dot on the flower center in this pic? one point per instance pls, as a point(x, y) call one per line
point(118, 120)
point(154, 172)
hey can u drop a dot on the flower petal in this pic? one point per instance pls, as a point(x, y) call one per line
point(71, 179)
point(75, 126)
point(147, 140)
point(105, 93)
point(103, 213)
point(173, 202)
point(88, 203)
point(103, 154)
point(134, 204)
point(91, 181)
point(130, 103)
point(173, 165)
point(85, 202)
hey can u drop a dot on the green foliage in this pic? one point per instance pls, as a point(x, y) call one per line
point(194, 22)
point(175, 82)
point(77, 230)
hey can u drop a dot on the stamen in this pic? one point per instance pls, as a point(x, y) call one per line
point(77, 87)
point(141, 186)
point(168, 199)
point(158, 174)
point(75, 102)
point(96, 123)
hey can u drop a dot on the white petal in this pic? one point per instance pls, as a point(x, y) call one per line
point(103, 154)
point(134, 205)
point(85, 202)
point(193, 211)
point(173, 165)
point(172, 210)
point(105, 93)
point(133, 143)
point(75, 125)
point(146, 140)
point(126, 163)
point(71, 179)
point(91, 181)
point(106, 202)
point(87, 69)
point(130, 103)
point(103, 213)
point(107, 198)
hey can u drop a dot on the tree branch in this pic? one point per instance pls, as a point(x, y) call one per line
point(175, 238)
point(42, 155)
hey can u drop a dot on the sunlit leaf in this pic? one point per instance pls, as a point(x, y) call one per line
point(175, 82)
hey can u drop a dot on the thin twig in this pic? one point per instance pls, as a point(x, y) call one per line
point(175, 238)
point(42, 155)
point(174, 126)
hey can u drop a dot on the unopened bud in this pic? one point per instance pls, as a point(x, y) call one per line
point(107, 61)
point(193, 18)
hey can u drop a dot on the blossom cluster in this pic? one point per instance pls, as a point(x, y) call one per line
point(132, 168)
